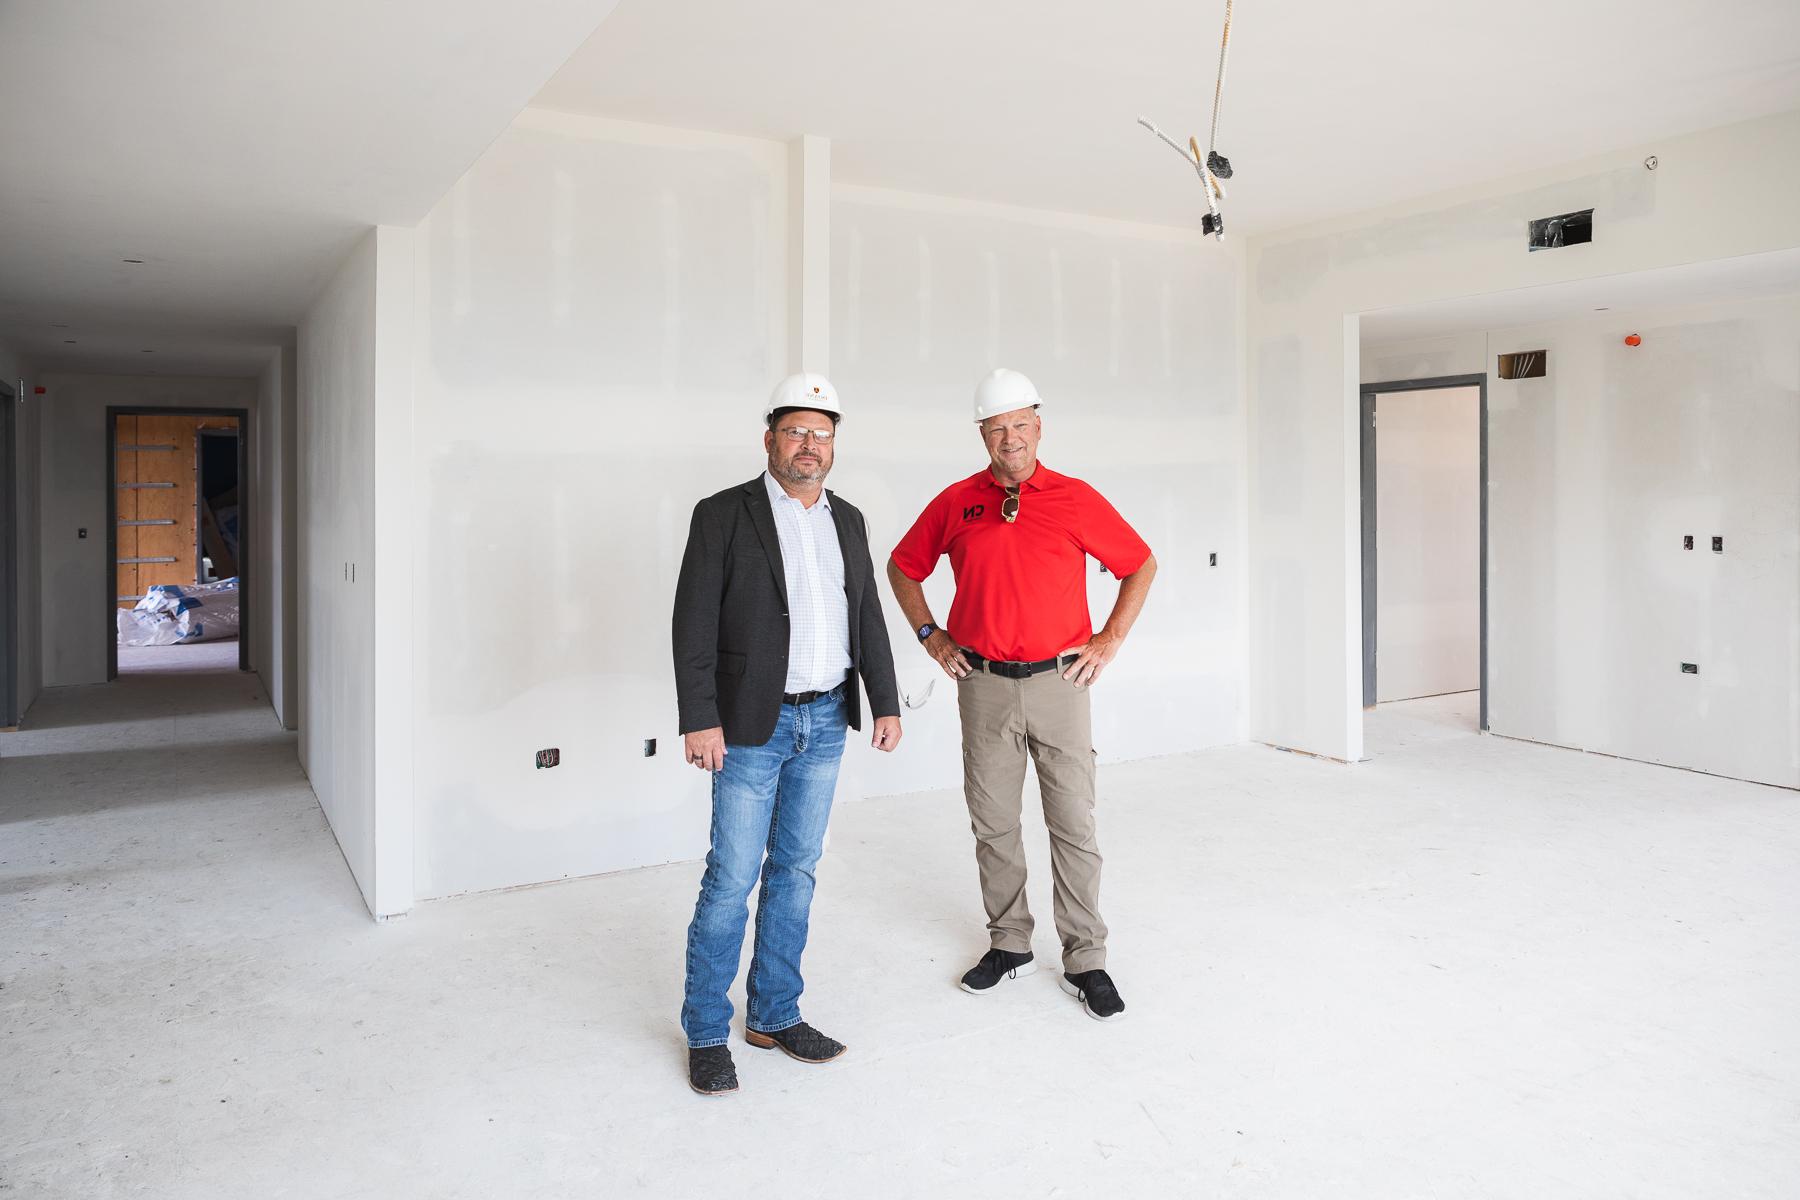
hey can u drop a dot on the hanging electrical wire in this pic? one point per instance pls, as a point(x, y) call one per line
point(1214, 167)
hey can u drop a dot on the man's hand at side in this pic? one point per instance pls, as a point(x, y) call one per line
point(706, 748)
point(887, 734)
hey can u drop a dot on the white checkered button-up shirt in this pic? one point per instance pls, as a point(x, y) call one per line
point(818, 610)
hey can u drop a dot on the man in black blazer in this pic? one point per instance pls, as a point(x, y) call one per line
point(777, 616)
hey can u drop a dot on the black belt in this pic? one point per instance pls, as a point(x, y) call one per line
point(1014, 670)
point(809, 697)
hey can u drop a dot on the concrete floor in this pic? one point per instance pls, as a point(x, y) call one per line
point(1467, 968)
point(193, 658)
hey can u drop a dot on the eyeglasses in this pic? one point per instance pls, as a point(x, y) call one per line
point(794, 433)
point(1009, 507)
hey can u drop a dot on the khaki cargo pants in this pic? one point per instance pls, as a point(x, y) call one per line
point(1047, 717)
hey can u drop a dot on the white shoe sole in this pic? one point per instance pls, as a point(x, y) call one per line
point(1019, 972)
point(1081, 996)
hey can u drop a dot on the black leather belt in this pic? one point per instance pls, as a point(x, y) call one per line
point(1015, 670)
point(809, 697)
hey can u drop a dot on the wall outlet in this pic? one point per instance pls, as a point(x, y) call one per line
point(1690, 668)
point(1718, 545)
point(1212, 560)
point(1687, 542)
point(649, 747)
point(548, 758)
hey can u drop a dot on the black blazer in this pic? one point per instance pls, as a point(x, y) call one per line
point(731, 618)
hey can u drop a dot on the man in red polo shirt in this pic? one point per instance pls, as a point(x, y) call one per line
point(1022, 648)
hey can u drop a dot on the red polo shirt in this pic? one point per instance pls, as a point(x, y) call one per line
point(1021, 589)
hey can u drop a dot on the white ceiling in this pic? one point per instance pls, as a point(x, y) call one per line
point(239, 147)
point(1330, 107)
point(1773, 274)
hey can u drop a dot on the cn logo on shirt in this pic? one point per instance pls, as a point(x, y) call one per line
point(974, 511)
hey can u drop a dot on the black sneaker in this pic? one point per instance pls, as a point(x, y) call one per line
point(994, 966)
point(710, 1071)
point(1097, 994)
point(800, 1041)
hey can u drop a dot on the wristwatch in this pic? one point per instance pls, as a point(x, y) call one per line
point(926, 630)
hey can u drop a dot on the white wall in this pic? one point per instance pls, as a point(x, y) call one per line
point(1132, 334)
point(1716, 194)
point(1696, 431)
point(76, 629)
point(273, 640)
point(335, 375)
point(602, 311)
point(1428, 542)
point(24, 482)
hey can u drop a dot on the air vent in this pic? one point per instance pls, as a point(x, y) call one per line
point(1567, 229)
point(1525, 364)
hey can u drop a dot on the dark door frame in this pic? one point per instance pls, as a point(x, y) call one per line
point(245, 517)
point(1369, 597)
point(10, 613)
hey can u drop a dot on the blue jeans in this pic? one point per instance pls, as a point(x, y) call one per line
point(775, 798)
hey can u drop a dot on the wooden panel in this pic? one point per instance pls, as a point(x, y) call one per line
point(174, 504)
point(126, 501)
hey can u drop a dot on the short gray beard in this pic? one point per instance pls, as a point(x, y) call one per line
point(790, 473)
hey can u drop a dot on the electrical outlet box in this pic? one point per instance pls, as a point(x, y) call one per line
point(548, 758)
point(1687, 542)
point(1212, 560)
point(1718, 545)
point(1690, 668)
point(649, 747)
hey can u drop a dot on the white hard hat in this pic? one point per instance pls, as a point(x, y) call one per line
point(1002, 392)
point(805, 390)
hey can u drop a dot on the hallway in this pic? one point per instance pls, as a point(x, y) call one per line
point(1467, 968)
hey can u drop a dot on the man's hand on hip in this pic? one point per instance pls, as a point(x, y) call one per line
point(706, 748)
point(1092, 660)
point(943, 648)
point(887, 734)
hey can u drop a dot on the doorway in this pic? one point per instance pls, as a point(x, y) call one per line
point(1424, 540)
point(177, 598)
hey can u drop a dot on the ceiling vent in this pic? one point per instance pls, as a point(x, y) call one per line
point(1568, 229)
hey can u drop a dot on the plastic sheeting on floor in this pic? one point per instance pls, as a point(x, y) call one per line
point(170, 614)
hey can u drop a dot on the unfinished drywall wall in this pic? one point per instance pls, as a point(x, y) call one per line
point(1132, 335)
point(602, 312)
point(354, 389)
point(629, 290)
point(273, 650)
point(76, 576)
point(1428, 542)
point(1307, 285)
point(336, 381)
point(22, 476)
point(1599, 470)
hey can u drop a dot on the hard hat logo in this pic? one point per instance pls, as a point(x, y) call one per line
point(1004, 391)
